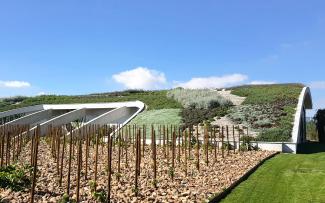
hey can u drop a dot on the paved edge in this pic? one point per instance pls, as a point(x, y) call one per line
point(227, 191)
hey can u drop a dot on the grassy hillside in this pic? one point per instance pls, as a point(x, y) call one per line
point(198, 98)
point(285, 178)
point(269, 109)
point(158, 117)
point(200, 105)
point(266, 94)
point(153, 99)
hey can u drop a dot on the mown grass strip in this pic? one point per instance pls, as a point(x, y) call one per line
point(285, 178)
point(227, 191)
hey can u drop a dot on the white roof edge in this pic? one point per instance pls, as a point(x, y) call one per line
point(137, 104)
point(26, 109)
point(39, 107)
point(304, 96)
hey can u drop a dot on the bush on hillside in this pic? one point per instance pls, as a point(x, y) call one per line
point(275, 135)
point(269, 108)
point(312, 133)
point(320, 123)
point(246, 143)
point(194, 116)
point(198, 98)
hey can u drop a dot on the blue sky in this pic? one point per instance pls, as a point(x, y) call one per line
point(76, 47)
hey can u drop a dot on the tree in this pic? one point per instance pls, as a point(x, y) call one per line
point(320, 123)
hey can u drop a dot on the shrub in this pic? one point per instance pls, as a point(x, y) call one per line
point(194, 116)
point(320, 123)
point(257, 116)
point(268, 108)
point(312, 131)
point(227, 146)
point(92, 185)
point(66, 199)
point(264, 123)
point(246, 143)
point(275, 135)
point(14, 177)
point(171, 172)
point(14, 100)
point(198, 98)
point(100, 195)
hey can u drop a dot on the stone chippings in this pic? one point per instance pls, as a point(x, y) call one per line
point(197, 186)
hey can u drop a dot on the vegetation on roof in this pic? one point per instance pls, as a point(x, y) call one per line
point(200, 105)
point(157, 117)
point(198, 98)
point(153, 99)
point(269, 109)
point(268, 94)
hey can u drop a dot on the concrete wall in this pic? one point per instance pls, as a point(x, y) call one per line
point(25, 110)
point(32, 118)
point(63, 119)
point(304, 102)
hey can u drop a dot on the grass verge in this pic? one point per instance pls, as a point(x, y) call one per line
point(285, 178)
point(153, 99)
point(158, 117)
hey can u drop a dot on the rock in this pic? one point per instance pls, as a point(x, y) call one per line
point(184, 194)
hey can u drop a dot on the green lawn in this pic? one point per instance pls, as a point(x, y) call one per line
point(153, 99)
point(161, 116)
point(285, 178)
point(264, 94)
point(158, 117)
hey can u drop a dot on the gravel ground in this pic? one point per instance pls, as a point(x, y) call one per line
point(196, 186)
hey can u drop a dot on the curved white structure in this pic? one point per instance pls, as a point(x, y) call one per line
point(299, 126)
point(89, 113)
point(122, 112)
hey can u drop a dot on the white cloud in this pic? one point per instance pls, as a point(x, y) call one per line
point(41, 93)
point(317, 85)
point(262, 82)
point(14, 84)
point(141, 78)
point(213, 81)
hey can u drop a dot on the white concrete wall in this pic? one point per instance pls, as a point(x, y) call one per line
point(63, 119)
point(32, 118)
point(304, 101)
point(27, 110)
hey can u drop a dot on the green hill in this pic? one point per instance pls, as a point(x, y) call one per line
point(268, 109)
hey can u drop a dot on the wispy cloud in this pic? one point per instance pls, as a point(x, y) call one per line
point(212, 82)
point(317, 85)
point(40, 94)
point(262, 82)
point(141, 78)
point(14, 84)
